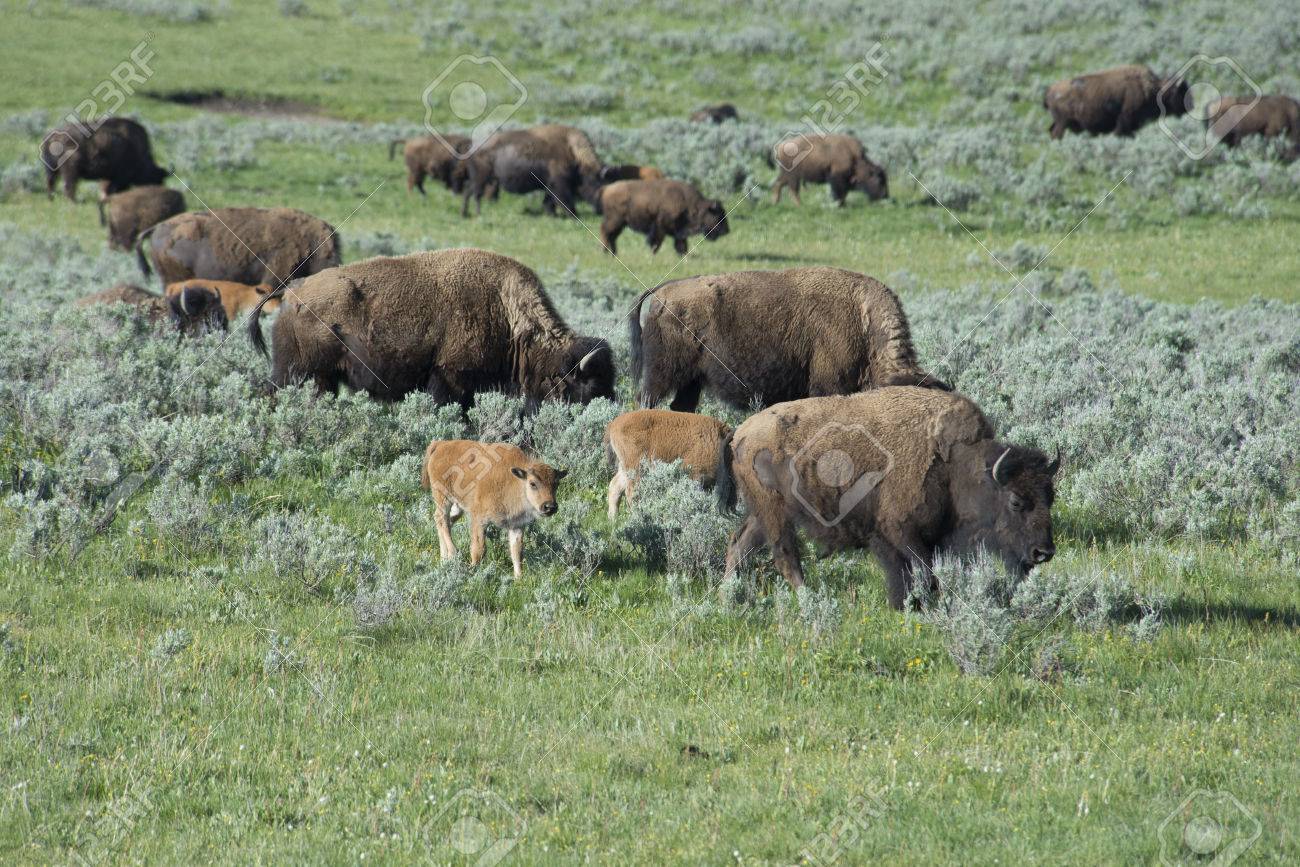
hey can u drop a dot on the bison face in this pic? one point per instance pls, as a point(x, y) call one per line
point(197, 310)
point(539, 482)
point(871, 179)
point(711, 219)
point(1017, 496)
point(1173, 97)
point(588, 373)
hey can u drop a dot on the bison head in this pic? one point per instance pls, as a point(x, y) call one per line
point(580, 375)
point(1011, 512)
point(871, 179)
point(197, 310)
point(711, 219)
point(539, 482)
point(1173, 97)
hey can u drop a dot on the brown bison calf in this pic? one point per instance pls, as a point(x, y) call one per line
point(235, 298)
point(659, 209)
point(838, 160)
point(428, 157)
point(134, 210)
point(665, 436)
point(1120, 101)
point(192, 312)
point(495, 483)
point(905, 472)
point(1233, 118)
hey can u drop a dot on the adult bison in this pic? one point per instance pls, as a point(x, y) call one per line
point(436, 157)
point(905, 472)
point(1233, 118)
point(243, 245)
point(838, 160)
point(557, 160)
point(659, 209)
point(719, 113)
point(115, 151)
point(451, 323)
point(195, 311)
point(132, 211)
point(1119, 101)
point(771, 336)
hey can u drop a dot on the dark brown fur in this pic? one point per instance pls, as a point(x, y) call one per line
point(243, 245)
point(115, 151)
point(557, 160)
point(719, 113)
point(659, 209)
point(1235, 118)
point(131, 212)
point(838, 160)
point(195, 311)
point(905, 472)
point(1120, 101)
point(429, 157)
point(771, 336)
point(451, 323)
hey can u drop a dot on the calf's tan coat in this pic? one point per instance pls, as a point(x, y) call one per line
point(661, 435)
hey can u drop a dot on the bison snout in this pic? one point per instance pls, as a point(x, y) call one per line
point(1043, 554)
point(549, 508)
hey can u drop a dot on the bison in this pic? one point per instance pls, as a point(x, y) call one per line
point(557, 160)
point(235, 298)
point(723, 111)
point(495, 483)
point(838, 160)
point(243, 245)
point(433, 157)
point(195, 311)
point(1119, 101)
point(629, 172)
point(659, 209)
point(665, 436)
point(1233, 118)
point(451, 323)
point(905, 472)
point(134, 210)
point(771, 336)
point(115, 151)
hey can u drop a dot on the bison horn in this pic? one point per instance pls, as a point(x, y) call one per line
point(1055, 464)
point(582, 365)
point(997, 464)
point(184, 308)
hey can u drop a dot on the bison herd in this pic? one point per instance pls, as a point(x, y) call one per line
point(851, 440)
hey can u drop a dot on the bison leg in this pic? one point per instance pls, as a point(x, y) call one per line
point(748, 537)
point(436, 387)
point(785, 551)
point(617, 487)
point(516, 535)
point(610, 229)
point(839, 191)
point(655, 239)
point(477, 539)
point(679, 244)
point(776, 190)
point(900, 565)
point(794, 191)
point(442, 520)
point(69, 185)
point(687, 397)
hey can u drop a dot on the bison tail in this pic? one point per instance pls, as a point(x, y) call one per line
point(140, 257)
point(255, 320)
point(424, 466)
point(611, 459)
point(724, 486)
point(634, 334)
point(392, 146)
point(100, 204)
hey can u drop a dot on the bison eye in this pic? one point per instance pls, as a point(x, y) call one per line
point(1017, 503)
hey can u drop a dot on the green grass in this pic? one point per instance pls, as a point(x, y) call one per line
point(621, 731)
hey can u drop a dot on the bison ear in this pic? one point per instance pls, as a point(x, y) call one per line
point(1055, 465)
point(559, 474)
point(518, 473)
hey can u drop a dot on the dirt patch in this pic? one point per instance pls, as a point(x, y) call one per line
point(249, 105)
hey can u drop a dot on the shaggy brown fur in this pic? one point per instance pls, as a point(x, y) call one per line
point(1120, 101)
point(521, 162)
point(838, 160)
point(771, 336)
point(429, 157)
point(495, 483)
point(905, 472)
point(723, 111)
point(244, 245)
point(451, 322)
point(664, 436)
point(610, 174)
point(659, 209)
point(1233, 118)
point(136, 209)
point(115, 151)
point(192, 312)
point(235, 298)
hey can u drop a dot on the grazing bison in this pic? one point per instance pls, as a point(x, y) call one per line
point(587, 162)
point(192, 312)
point(115, 151)
point(664, 436)
point(134, 210)
point(1119, 101)
point(496, 483)
point(235, 298)
point(1233, 118)
point(451, 322)
point(557, 160)
point(610, 174)
point(723, 111)
point(771, 336)
point(429, 157)
point(243, 245)
point(905, 472)
point(838, 160)
point(659, 209)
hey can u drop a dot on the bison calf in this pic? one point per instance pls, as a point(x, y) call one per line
point(427, 156)
point(134, 210)
point(659, 209)
point(838, 160)
point(495, 483)
point(665, 436)
point(194, 311)
point(235, 298)
point(905, 472)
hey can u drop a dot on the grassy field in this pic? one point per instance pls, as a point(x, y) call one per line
point(176, 691)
